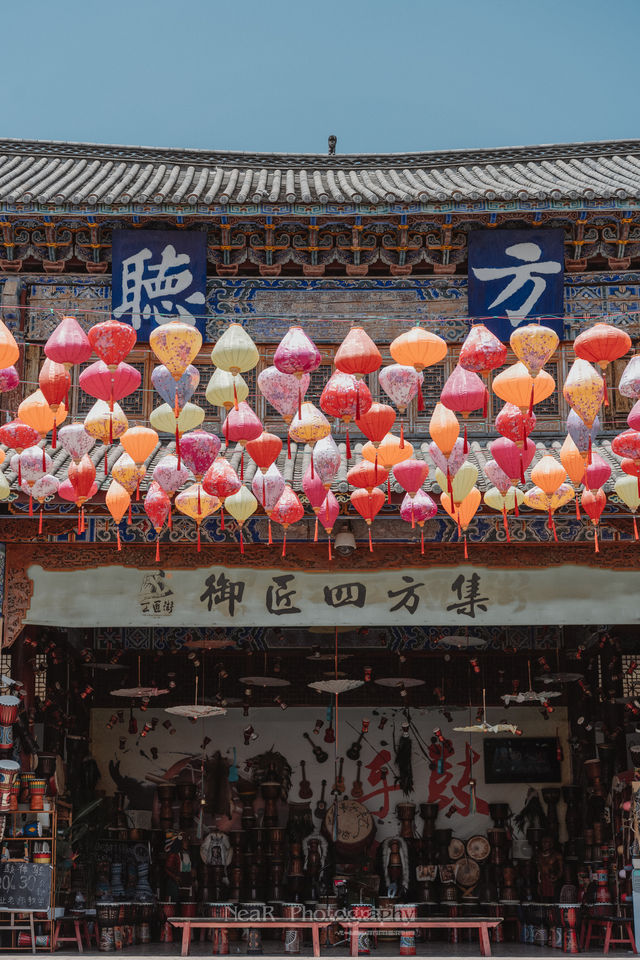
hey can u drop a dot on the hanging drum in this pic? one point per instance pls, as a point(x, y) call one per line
point(456, 849)
point(478, 848)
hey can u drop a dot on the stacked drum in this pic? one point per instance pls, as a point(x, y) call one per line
point(107, 915)
point(9, 707)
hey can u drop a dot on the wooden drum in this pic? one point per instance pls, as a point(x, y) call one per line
point(354, 831)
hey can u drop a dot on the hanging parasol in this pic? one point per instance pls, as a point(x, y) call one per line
point(399, 682)
point(195, 711)
point(335, 686)
point(461, 641)
point(529, 696)
point(135, 693)
point(265, 681)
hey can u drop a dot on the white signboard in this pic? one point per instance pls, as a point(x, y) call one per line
point(242, 596)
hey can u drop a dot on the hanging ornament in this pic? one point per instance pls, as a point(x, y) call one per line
point(241, 505)
point(451, 464)
point(390, 451)
point(633, 417)
point(513, 424)
point(68, 344)
point(176, 345)
point(597, 473)
point(5, 489)
point(626, 489)
point(326, 460)
point(296, 354)
point(9, 378)
point(287, 511)
point(574, 463)
point(241, 425)
point(264, 450)
point(418, 508)
point(357, 354)
point(593, 503)
point(112, 341)
point(236, 353)
point(481, 351)
point(345, 398)
point(368, 504)
point(548, 503)
point(44, 488)
point(284, 391)
point(139, 443)
point(314, 491)
point(163, 420)
point(461, 484)
point(36, 412)
point(30, 466)
point(401, 384)
point(118, 501)
point(82, 477)
point(105, 425)
point(463, 393)
point(76, 441)
point(534, 345)
point(308, 426)
point(221, 481)
point(584, 391)
point(157, 507)
point(516, 386)
point(197, 503)
point(366, 475)
point(513, 458)
point(504, 502)
point(418, 348)
point(496, 475)
point(224, 390)
point(444, 428)
point(411, 474)
point(327, 515)
point(54, 384)
point(602, 344)
point(268, 488)
point(109, 384)
point(175, 392)
point(17, 436)
point(377, 422)
point(629, 385)
point(548, 474)
point(462, 512)
point(582, 436)
point(128, 475)
point(199, 450)
point(9, 350)
point(170, 475)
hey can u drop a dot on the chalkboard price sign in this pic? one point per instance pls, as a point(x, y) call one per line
point(24, 887)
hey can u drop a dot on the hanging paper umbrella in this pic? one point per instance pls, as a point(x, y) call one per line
point(345, 398)
point(602, 344)
point(68, 344)
point(9, 350)
point(582, 436)
point(597, 473)
point(512, 457)
point(584, 390)
point(418, 509)
point(401, 384)
point(481, 351)
point(76, 441)
point(235, 352)
point(223, 389)
point(107, 383)
point(461, 484)
point(574, 463)
point(118, 501)
point(264, 450)
point(419, 349)
point(197, 503)
point(504, 502)
point(444, 428)
point(326, 460)
point(157, 507)
point(54, 384)
point(36, 412)
point(18, 436)
point(44, 488)
point(127, 473)
point(176, 345)
point(627, 489)
point(268, 489)
point(368, 504)
point(593, 503)
point(463, 512)
point(512, 423)
point(537, 499)
point(9, 378)
point(82, 477)
point(241, 425)
point(221, 481)
point(308, 426)
point(105, 425)
point(314, 491)
point(629, 385)
point(534, 345)
point(287, 511)
point(463, 393)
point(241, 506)
point(496, 475)
point(328, 514)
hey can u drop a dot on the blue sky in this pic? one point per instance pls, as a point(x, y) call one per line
point(280, 75)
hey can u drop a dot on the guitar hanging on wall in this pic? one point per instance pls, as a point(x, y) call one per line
point(304, 790)
point(321, 755)
point(357, 790)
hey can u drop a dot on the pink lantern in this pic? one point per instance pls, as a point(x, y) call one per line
point(110, 385)
point(68, 344)
point(267, 488)
point(9, 379)
point(296, 354)
point(401, 384)
point(512, 458)
point(418, 509)
point(43, 489)
point(66, 490)
point(240, 426)
point(112, 340)
point(221, 481)
point(463, 393)
point(287, 511)
point(512, 423)
point(283, 390)
point(328, 514)
point(32, 464)
point(627, 444)
point(169, 475)
point(75, 440)
point(597, 472)
point(633, 417)
point(629, 385)
point(199, 450)
point(482, 352)
point(157, 507)
point(451, 464)
point(315, 493)
point(411, 474)
point(496, 475)
point(326, 460)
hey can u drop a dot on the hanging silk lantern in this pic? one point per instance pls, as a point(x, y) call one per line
point(241, 506)
point(112, 341)
point(537, 499)
point(513, 458)
point(602, 344)
point(627, 445)
point(139, 443)
point(582, 436)
point(534, 345)
point(54, 384)
point(444, 428)
point(597, 473)
point(157, 507)
point(175, 392)
point(287, 511)
point(419, 349)
point(401, 384)
point(512, 423)
point(5, 489)
point(314, 491)
point(296, 354)
point(105, 425)
point(76, 441)
point(327, 515)
point(127, 474)
point(461, 484)
point(176, 345)
point(268, 488)
point(377, 422)
point(390, 451)
point(109, 383)
point(411, 474)
point(264, 450)
point(36, 412)
point(199, 451)
point(418, 509)
point(481, 351)
point(366, 475)
point(221, 481)
point(463, 393)
point(9, 350)
point(235, 352)
point(515, 385)
point(574, 463)
point(241, 425)
point(451, 464)
point(496, 475)
point(9, 378)
point(163, 419)
point(584, 390)
point(82, 477)
point(44, 488)
point(223, 389)
point(68, 344)
point(504, 501)
point(283, 391)
point(31, 467)
point(633, 417)
point(197, 503)
point(629, 385)
point(326, 460)
point(357, 354)
point(345, 398)
point(548, 474)
point(308, 426)
point(462, 512)
point(368, 506)
point(170, 475)
point(593, 503)
point(18, 436)
point(626, 489)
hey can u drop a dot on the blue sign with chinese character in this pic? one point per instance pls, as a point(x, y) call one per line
point(516, 276)
point(158, 276)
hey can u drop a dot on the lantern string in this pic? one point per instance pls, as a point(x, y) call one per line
point(241, 540)
point(635, 528)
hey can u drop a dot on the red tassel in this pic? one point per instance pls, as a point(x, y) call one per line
point(44, 455)
point(522, 479)
point(288, 446)
point(138, 488)
point(284, 543)
point(222, 516)
point(235, 395)
point(170, 520)
point(129, 520)
point(315, 536)
point(635, 528)
point(20, 475)
point(270, 539)
point(199, 502)
point(198, 538)
point(30, 505)
point(329, 545)
point(449, 483)
point(606, 393)
point(370, 542)
point(413, 519)
point(401, 435)
point(84, 526)
point(422, 541)
point(577, 506)
point(348, 445)
point(505, 522)
point(485, 404)
point(106, 471)
point(358, 400)
point(178, 447)
point(299, 404)
point(157, 548)
point(79, 527)
point(110, 429)
point(176, 408)
point(312, 473)
point(118, 538)
point(458, 522)
point(226, 434)
point(241, 468)
point(54, 435)
point(517, 512)
point(388, 489)
point(589, 452)
point(465, 447)
point(595, 535)
point(531, 401)
point(40, 522)
point(420, 400)
point(241, 541)
point(466, 552)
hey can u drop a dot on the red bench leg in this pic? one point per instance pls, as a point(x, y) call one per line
point(186, 939)
point(485, 943)
point(607, 936)
point(315, 937)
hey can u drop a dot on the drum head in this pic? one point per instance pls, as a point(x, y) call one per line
point(478, 848)
point(467, 872)
point(354, 829)
point(456, 849)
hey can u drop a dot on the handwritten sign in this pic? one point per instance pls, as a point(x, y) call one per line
point(24, 887)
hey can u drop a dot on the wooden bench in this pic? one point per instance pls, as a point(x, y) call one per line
point(278, 923)
point(481, 924)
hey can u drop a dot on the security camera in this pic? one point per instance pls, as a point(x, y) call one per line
point(345, 542)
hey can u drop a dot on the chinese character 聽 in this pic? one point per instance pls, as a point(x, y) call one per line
point(279, 598)
point(222, 590)
point(529, 256)
point(468, 592)
point(160, 289)
point(345, 594)
point(408, 596)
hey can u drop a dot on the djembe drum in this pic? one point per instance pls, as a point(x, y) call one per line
point(220, 910)
point(386, 911)
point(107, 914)
point(253, 911)
point(406, 912)
point(128, 918)
point(9, 707)
point(26, 776)
point(167, 909)
point(144, 918)
point(569, 924)
point(9, 770)
point(37, 789)
point(292, 938)
point(361, 911)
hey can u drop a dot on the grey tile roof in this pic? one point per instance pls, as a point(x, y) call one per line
point(56, 173)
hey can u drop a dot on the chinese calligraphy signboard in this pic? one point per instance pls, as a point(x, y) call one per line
point(247, 597)
point(516, 276)
point(158, 276)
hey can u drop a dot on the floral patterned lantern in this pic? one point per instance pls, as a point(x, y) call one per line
point(597, 473)
point(175, 392)
point(366, 475)
point(54, 382)
point(199, 451)
point(633, 417)
point(105, 425)
point(602, 344)
point(629, 385)
point(68, 344)
point(326, 460)
point(368, 504)
point(574, 463)
point(82, 477)
point(139, 443)
point(157, 507)
point(241, 506)
point(391, 451)
point(582, 435)
point(451, 464)
point(296, 353)
point(537, 499)
point(462, 512)
point(496, 475)
point(176, 345)
point(327, 515)
point(9, 378)
point(224, 390)
point(287, 511)
point(308, 426)
point(163, 419)
point(534, 345)
point(626, 489)
point(584, 390)
point(221, 481)
point(315, 493)
point(345, 398)
point(593, 503)
point(127, 474)
point(268, 489)
point(504, 501)
point(44, 488)
point(463, 393)
point(18, 436)
point(197, 503)
point(418, 509)
point(109, 384)
point(515, 424)
point(76, 441)
point(481, 351)
point(112, 341)
point(31, 467)
point(627, 445)
point(36, 412)
point(512, 457)
point(284, 391)
point(235, 352)
point(9, 350)
point(170, 475)
point(241, 425)
point(419, 349)
point(401, 384)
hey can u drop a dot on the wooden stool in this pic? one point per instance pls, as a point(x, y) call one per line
point(606, 924)
point(80, 929)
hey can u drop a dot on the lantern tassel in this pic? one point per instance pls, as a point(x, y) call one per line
point(449, 483)
point(20, 475)
point(422, 541)
point(299, 403)
point(348, 445)
point(606, 393)
point(577, 506)
point(595, 539)
point(176, 408)
point(466, 552)
point(413, 519)
point(358, 400)
point(199, 501)
point(485, 404)
point(198, 538)
point(552, 525)
point(589, 452)
point(420, 399)
point(110, 429)
point(170, 519)
point(370, 542)
point(178, 447)
point(284, 543)
point(288, 446)
point(222, 516)
point(315, 535)
point(388, 489)
point(241, 467)
point(118, 537)
point(635, 528)
point(505, 522)
point(30, 505)
point(522, 478)
point(329, 546)
point(401, 435)
point(44, 456)
point(312, 471)
point(241, 541)
point(40, 522)
point(235, 395)
point(465, 445)
point(531, 401)
point(138, 488)
point(106, 468)
point(54, 435)
point(270, 539)
point(129, 519)
point(517, 512)
point(157, 548)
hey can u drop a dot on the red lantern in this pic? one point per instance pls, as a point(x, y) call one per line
point(54, 384)
point(597, 473)
point(627, 444)
point(221, 481)
point(314, 491)
point(366, 475)
point(264, 450)
point(112, 341)
point(411, 474)
point(68, 344)
point(368, 506)
point(602, 344)
point(463, 393)
point(109, 383)
point(512, 423)
point(241, 425)
point(18, 436)
point(346, 398)
point(82, 476)
point(482, 352)
point(376, 422)
point(357, 354)
point(512, 458)
point(287, 511)
point(593, 503)
point(157, 507)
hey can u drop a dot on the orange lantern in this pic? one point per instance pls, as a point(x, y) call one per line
point(376, 422)
point(548, 474)
point(574, 463)
point(128, 474)
point(602, 344)
point(464, 512)
point(82, 476)
point(419, 349)
point(36, 412)
point(139, 443)
point(264, 450)
point(537, 499)
point(9, 350)
point(366, 475)
point(357, 354)
point(196, 503)
point(105, 425)
point(390, 451)
point(368, 506)
point(118, 501)
point(444, 428)
point(54, 383)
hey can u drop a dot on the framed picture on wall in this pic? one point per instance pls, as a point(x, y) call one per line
point(522, 760)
